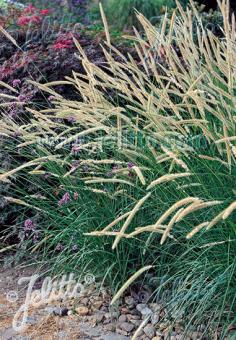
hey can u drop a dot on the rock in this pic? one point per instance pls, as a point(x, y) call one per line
point(136, 323)
point(129, 300)
point(61, 311)
point(104, 308)
point(145, 312)
point(98, 317)
point(141, 306)
point(114, 336)
point(126, 326)
point(112, 315)
point(96, 305)
point(122, 332)
point(125, 310)
point(84, 301)
point(122, 318)
point(155, 317)
point(162, 326)
point(149, 330)
point(70, 312)
point(143, 309)
point(155, 307)
point(110, 327)
point(133, 317)
point(82, 311)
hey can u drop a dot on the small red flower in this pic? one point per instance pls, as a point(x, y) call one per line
point(30, 9)
point(23, 20)
point(36, 19)
point(45, 11)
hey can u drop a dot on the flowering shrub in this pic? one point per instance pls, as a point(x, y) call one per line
point(32, 15)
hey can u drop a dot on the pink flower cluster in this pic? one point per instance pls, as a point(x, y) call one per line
point(63, 41)
point(67, 197)
point(32, 15)
point(29, 225)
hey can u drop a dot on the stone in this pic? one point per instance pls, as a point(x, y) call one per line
point(84, 301)
point(125, 310)
point(114, 336)
point(145, 312)
point(136, 323)
point(82, 310)
point(126, 326)
point(120, 331)
point(149, 330)
point(155, 307)
point(133, 317)
point(98, 317)
point(59, 311)
point(97, 304)
point(129, 300)
point(155, 317)
point(122, 318)
point(110, 327)
point(141, 306)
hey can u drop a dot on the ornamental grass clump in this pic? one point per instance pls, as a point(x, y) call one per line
point(167, 123)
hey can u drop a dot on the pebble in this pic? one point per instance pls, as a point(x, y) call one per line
point(155, 307)
point(129, 300)
point(149, 330)
point(82, 311)
point(146, 311)
point(112, 315)
point(97, 304)
point(85, 301)
point(98, 317)
point(61, 311)
point(125, 310)
point(120, 331)
point(110, 327)
point(136, 322)
point(133, 317)
point(126, 326)
point(122, 318)
point(155, 317)
point(141, 306)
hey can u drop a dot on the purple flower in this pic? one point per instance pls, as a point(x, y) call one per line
point(115, 167)
point(76, 195)
point(59, 247)
point(130, 165)
point(65, 199)
point(29, 225)
point(50, 98)
point(75, 148)
point(22, 98)
point(16, 82)
point(71, 119)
